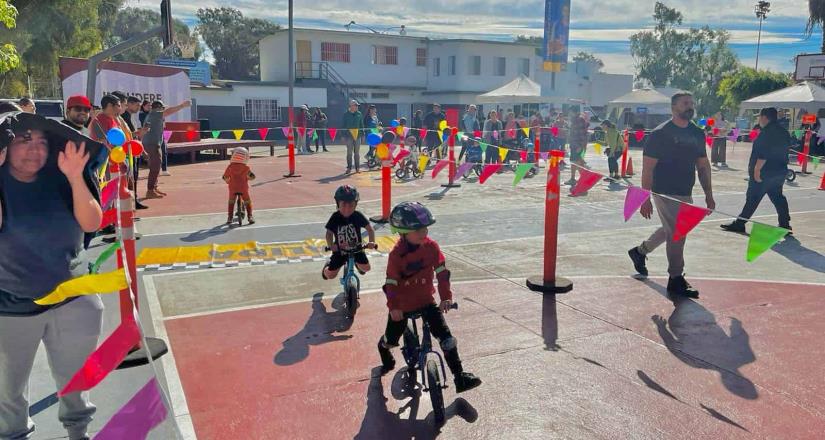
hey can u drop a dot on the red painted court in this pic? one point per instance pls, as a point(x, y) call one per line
point(614, 358)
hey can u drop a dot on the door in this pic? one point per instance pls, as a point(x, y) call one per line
point(303, 63)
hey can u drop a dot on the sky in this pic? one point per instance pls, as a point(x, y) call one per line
point(601, 27)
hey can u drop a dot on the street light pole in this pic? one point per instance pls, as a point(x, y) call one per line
point(761, 9)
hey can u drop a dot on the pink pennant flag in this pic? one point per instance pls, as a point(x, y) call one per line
point(555, 131)
point(689, 216)
point(640, 134)
point(488, 171)
point(302, 131)
point(544, 155)
point(144, 411)
point(105, 359)
point(586, 181)
point(109, 218)
point(709, 141)
point(463, 168)
point(401, 155)
point(523, 155)
point(263, 131)
point(406, 131)
point(392, 149)
point(734, 135)
point(332, 132)
point(633, 200)
point(286, 131)
point(109, 192)
point(422, 133)
point(440, 166)
point(166, 135)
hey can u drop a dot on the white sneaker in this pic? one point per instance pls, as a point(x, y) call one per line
point(165, 173)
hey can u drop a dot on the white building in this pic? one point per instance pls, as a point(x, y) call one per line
point(400, 74)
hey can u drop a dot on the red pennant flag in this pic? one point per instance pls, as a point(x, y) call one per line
point(109, 217)
point(401, 155)
point(511, 132)
point(105, 359)
point(263, 131)
point(440, 166)
point(332, 132)
point(523, 156)
point(191, 135)
point(302, 131)
point(109, 192)
point(422, 133)
point(488, 171)
point(477, 134)
point(555, 131)
point(754, 134)
point(709, 140)
point(800, 158)
point(640, 134)
point(689, 216)
point(715, 130)
point(586, 181)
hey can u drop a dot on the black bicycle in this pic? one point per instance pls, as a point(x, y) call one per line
point(417, 356)
point(240, 208)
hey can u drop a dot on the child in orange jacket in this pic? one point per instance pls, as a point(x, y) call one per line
point(237, 176)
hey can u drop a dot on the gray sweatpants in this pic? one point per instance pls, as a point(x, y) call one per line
point(668, 210)
point(70, 333)
point(353, 149)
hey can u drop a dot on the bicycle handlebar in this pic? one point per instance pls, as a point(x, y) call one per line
point(417, 314)
point(358, 248)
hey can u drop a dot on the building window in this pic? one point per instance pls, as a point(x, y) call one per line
point(380, 95)
point(335, 52)
point(499, 66)
point(261, 110)
point(359, 95)
point(385, 55)
point(524, 66)
point(474, 65)
point(436, 66)
point(421, 57)
point(451, 65)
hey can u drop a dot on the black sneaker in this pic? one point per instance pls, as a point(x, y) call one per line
point(788, 227)
point(108, 230)
point(387, 360)
point(638, 261)
point(139, 205)
point(679, 286)
point(736, 226)
point(466, 381)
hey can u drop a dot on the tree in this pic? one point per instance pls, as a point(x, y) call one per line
point(233, 40)
point(529, 39)
point(695, 60)
point(816, 18)
point(747, 83)
point(589, 57)
point(8, 53)
point(130, 22)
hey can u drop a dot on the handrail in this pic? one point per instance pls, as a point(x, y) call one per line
point(323, 70)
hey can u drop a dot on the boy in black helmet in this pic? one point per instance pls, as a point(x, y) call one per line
point(344, 233)
point(415, 261)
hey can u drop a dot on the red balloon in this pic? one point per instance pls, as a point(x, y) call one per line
point(133, 147)
point(711, 122)
point(455, 131)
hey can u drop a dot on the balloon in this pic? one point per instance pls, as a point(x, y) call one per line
point(116, 136)
point(394, 123)
point(703, 122)
point(373, 138)
point(399, 130)
point(711, 122)
point(133, 147)
point(117, 155)
point(442, 125)
point(455, 131)
point(445, 135)
point(388, 137)
point(382, 151)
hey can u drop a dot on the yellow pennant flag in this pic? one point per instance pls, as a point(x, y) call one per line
point(526, 131)
point(354, 133)
point(238, 134)
point(422, 163)
point(85, 285)
point(598, 147)
point(502, 153)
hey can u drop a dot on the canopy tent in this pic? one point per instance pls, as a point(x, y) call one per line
point(805, 95)
point(521, 90)
point(646, 107)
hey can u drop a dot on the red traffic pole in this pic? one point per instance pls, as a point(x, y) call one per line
point(291, 147)
point(451, 158)
point(548, 282)
point(626, 138)
point(386, 192)
point(806, 149)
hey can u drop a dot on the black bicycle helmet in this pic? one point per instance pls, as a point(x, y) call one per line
point(346, 193)
point(410, 216)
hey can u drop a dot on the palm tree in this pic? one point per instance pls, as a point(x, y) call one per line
point(816, 18)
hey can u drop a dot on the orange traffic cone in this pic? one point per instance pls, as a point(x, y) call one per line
point(822, 184)
point(629, 170)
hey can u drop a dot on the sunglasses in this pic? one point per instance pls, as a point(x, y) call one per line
point(81, 109)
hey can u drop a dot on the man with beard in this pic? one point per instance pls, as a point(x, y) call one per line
point(673, 154)
point(78, 109)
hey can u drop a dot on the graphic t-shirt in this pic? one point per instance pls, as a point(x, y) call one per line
point(347, 230)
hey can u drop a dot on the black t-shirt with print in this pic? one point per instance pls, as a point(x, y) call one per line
point(677, 150)
point(347, 230)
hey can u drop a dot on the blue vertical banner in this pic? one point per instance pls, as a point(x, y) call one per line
point(556, 33)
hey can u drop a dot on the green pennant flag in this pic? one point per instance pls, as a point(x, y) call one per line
point(105, 255)
point(762, 238)
point(215, 134)
point(458, 136)
point(376, 130)
point(816, 162)
point(797, 134)
point(483, 147)
point(314, 135)
point(521, 170)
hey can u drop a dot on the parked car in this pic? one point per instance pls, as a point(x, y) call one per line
point(50, 108)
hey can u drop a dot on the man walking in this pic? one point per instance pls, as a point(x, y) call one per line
point(353, 123)
point(767, 168)
point(673, 154)
point(578, 144)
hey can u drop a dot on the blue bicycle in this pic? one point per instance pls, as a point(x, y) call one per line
point(350, 281)
point(417, 356)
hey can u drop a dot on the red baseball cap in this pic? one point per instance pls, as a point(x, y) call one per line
point(78, 101)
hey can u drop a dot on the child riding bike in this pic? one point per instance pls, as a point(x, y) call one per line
point(237, 176)
point(344, 233)
point(413, 264)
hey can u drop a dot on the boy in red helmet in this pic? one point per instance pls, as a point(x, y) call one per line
point(237, 176)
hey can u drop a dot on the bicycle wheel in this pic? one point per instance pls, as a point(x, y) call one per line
point(401, 172)
point(436, 397)
point(239, 211)
point(790, 176)
point(352, 301)
point(415, 172)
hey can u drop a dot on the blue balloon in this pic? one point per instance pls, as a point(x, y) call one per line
point(445, 135)
point(703, 122)
point(116, 137)
point(394, 123)
point(373, 138)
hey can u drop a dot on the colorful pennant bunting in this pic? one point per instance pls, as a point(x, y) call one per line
point(598, 148)
point(439, 166)
point(85, 285)
point(286, 131)
point(105, 359)
point(109, 192)
point(688, 217)
point(762, 238)
point(523, 155)
point(400, 156)
point(502, 153)
point(166, 135)
point(587, 180)
point(332, 132)
point(488, 171)
point(521, 171)
point(633, 200)
point(463, 168)
point(353, 132)
point(554, 131)
point(191, 135)
point(109, 218)
point(144, 411)
point(422, 162)
point(215, 134)
point(238, 134)
point(105, 255)
point(263, 131)
point(302, 132)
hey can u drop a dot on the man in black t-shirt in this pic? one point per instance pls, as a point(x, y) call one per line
point(673, 154)
point(431, 123)
point(767, 168)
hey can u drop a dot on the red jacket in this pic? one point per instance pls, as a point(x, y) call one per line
point(410, 274)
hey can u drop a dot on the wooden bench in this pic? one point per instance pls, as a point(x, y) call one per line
point(219, 145)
